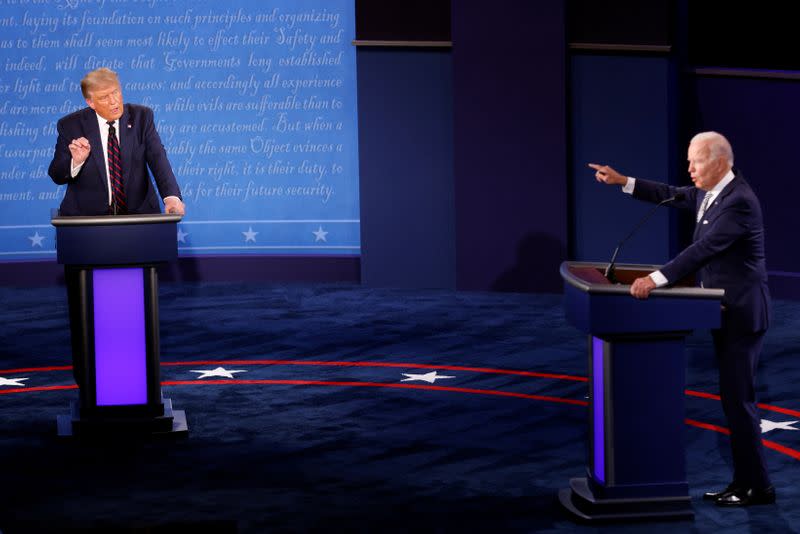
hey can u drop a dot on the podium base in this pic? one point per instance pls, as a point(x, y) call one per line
point(171, 425)
point(582, 505)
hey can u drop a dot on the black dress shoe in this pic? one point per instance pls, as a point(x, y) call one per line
point(714, 495)
point(747, 497)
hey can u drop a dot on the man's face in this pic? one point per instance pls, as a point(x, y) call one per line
point(106, 101)
point(705, 171)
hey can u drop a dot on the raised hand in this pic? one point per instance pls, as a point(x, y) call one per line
point(79, 148)
point(608, 175)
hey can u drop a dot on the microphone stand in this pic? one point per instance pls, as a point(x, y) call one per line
point(609, 272)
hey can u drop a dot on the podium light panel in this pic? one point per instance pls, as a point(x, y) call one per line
point(598, 409)
point(119, 337)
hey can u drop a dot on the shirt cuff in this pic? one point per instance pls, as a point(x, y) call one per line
point(75, 169)
point(629, 185)
point(659, 279)
point(173, 196)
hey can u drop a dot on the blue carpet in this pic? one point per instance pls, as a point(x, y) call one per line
point(318, 431)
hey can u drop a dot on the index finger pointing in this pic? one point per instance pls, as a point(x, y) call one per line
point(597, 167)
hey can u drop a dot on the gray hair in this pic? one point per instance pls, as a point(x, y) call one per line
point(718, 146)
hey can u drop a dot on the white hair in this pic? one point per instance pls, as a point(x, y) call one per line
point(718, 146)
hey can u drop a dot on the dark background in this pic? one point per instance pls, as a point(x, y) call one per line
point(531, 92)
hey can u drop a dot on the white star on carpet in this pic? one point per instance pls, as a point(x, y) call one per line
point(430, 378)
point(182, 235)
point(36, 239)
point(249, 235)
point(768, 426)
point(320, 235)
point(12, 381)
point(219, 371)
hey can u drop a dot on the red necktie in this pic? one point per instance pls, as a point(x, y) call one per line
point(118, 203)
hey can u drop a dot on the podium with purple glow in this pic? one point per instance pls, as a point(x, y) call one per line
point(111, 261)
point(636, 465)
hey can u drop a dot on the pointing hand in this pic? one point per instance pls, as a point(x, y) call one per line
point(608, 175)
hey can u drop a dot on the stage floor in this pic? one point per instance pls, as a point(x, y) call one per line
point(335, 407)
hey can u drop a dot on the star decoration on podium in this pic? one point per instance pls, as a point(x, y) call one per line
point(430, 378)
point(36, 239)
point(219, 372)
point(249, 235)
point(182, 235)
point(320, 235)
point(12, 381)
point(768, 426)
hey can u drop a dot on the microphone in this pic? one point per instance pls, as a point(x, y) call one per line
point(609, 272)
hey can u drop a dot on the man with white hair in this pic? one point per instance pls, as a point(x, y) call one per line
point(727, 252)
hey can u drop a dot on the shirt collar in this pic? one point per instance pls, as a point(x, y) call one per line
point(728, 178)
point(104, 122)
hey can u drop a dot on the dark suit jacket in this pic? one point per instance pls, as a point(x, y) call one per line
point(727, 249)
point(141, 147)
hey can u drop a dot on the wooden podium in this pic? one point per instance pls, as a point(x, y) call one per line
point(636, 465)
point(113, 263)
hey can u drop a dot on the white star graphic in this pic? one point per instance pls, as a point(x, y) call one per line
point(768, 426)
point(219, 371)
point(36, 239)
point(320, 235)
point(182, 235)
point(12, 381)
point(430, 378)
point(249, 235)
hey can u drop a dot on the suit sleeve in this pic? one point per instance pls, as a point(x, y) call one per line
point(157, 160)
point(729, 226)
point(60, 169)
point(656, 192)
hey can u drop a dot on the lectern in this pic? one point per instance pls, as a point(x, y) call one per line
point(636, 464)
point(113, 262)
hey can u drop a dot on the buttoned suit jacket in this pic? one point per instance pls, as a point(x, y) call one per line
point(727, 249)
point(140, 149)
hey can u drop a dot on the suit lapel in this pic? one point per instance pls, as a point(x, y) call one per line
point(126, 138)
point(727, 191)
point(92, 131)
point(714, 206)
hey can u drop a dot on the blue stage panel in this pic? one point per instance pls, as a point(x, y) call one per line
point(255, 104)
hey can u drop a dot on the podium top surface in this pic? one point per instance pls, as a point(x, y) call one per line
point(116, 239)
point(588, 278)
point(106, 220)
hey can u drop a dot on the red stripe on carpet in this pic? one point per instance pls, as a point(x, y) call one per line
point(376, 385)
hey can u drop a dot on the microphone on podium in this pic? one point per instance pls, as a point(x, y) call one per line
point(609, 272)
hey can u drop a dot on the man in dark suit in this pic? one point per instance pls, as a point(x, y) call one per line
point(727, 251)
point(81, 155)
point(102, 154)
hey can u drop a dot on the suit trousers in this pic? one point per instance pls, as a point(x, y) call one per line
point(737, 355)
